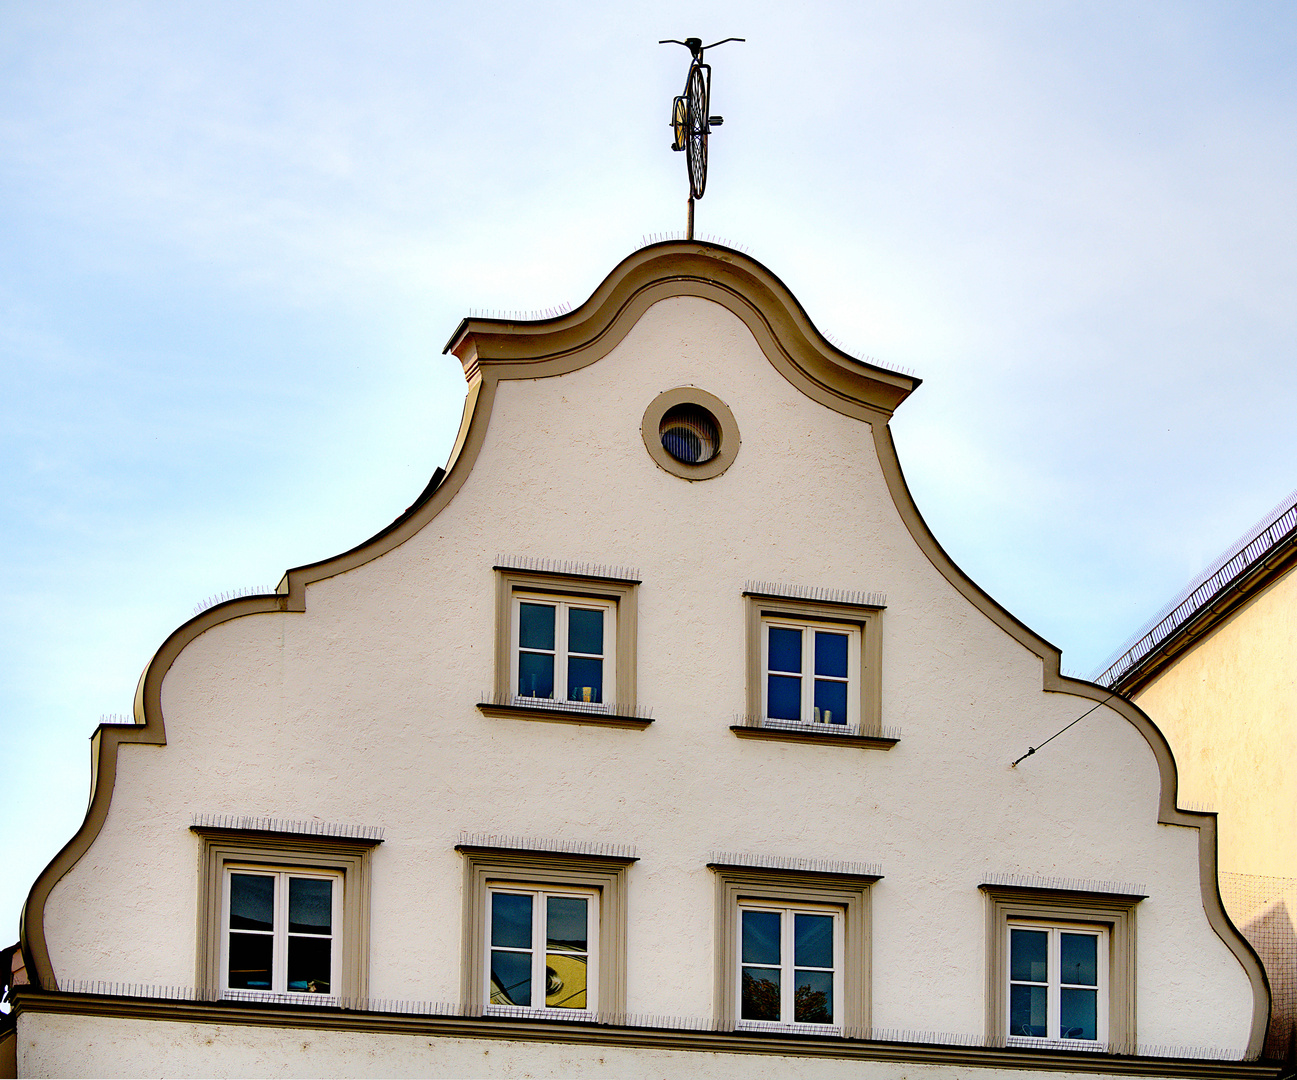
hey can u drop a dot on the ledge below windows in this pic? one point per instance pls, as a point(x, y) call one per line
point(822, 734)
point(615, 1032)
point(555, 712)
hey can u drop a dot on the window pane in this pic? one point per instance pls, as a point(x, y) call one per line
point(813, 940)
point(535, 626)
point(761, 937)
point(830, 654)
point(535, 675)
point(310, 906)
point(565, 981)
point(511, 921)
point(510, 978)
point(1079, 959)
point(785, 649)
point(250, 961)
point(1027, 955)
point(813, 997)
point(585, 631)
point(585, 679)
point(784, 698)
point(252, 902)
point(308, 964)
point(1079, 1014)
point(760, 994)
point(565, 923)
point(1027, 1011)
point(830, 702)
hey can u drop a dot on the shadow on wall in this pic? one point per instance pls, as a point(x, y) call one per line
point(1262, 908)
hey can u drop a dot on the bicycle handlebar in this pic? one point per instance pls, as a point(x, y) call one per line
point(696, 46)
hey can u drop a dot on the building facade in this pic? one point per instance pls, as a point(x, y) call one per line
point(659, 735)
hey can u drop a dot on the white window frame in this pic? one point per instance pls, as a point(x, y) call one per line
point(788, 968)
point(281, 934)
point(538, 950)
point(807, 675)
point(562, 605)
point(1055, 985)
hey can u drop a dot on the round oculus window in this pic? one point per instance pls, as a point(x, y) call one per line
point(690, 434)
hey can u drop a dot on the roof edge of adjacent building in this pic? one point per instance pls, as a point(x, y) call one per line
point(1257, 559)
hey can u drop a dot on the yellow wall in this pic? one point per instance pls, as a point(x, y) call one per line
point(1228, 706)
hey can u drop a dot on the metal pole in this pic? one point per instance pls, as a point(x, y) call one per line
point(690, 233)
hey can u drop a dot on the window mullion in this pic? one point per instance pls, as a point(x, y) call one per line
point(1053, 976)
point(538, 916)
point(279, 983)
point(787, 967)
point(808, 673)
point(560, 651)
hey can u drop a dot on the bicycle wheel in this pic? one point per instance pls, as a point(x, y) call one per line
point(679, 122)
point(696, 121)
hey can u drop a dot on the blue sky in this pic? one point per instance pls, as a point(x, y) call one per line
point(234, 238)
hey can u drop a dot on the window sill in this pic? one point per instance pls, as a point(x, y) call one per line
point(767, 1027)
point(830, 734)
point(523, 1012)
point(556, 713)
point(1032, 1043)
point(319, 1001)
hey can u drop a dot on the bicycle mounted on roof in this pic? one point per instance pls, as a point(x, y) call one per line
point(691, 120)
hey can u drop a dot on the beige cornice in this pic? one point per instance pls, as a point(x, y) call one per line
point(788, 337)
point(492, 350)
point(614, 1035)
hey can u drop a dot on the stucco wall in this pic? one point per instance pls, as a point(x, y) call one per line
point(68, 1046)
point(362, 710)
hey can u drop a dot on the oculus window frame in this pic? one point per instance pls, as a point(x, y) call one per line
point(727, 433)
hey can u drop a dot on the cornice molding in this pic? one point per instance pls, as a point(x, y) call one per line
point(613, 1035)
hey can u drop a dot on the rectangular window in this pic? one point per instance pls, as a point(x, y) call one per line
point(811, 671)
point(790, 964)
point(1060, 966)
point(1058, 982)
point(792, 948)
point(562, 649)
point(544, 932)
point(278, 932)
point(284, 914)
point(813, 667)
point(543, 949)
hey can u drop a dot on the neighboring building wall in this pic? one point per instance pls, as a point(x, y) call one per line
point(1228, 706)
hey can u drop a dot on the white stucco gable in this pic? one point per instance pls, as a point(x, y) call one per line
point(368, 690)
